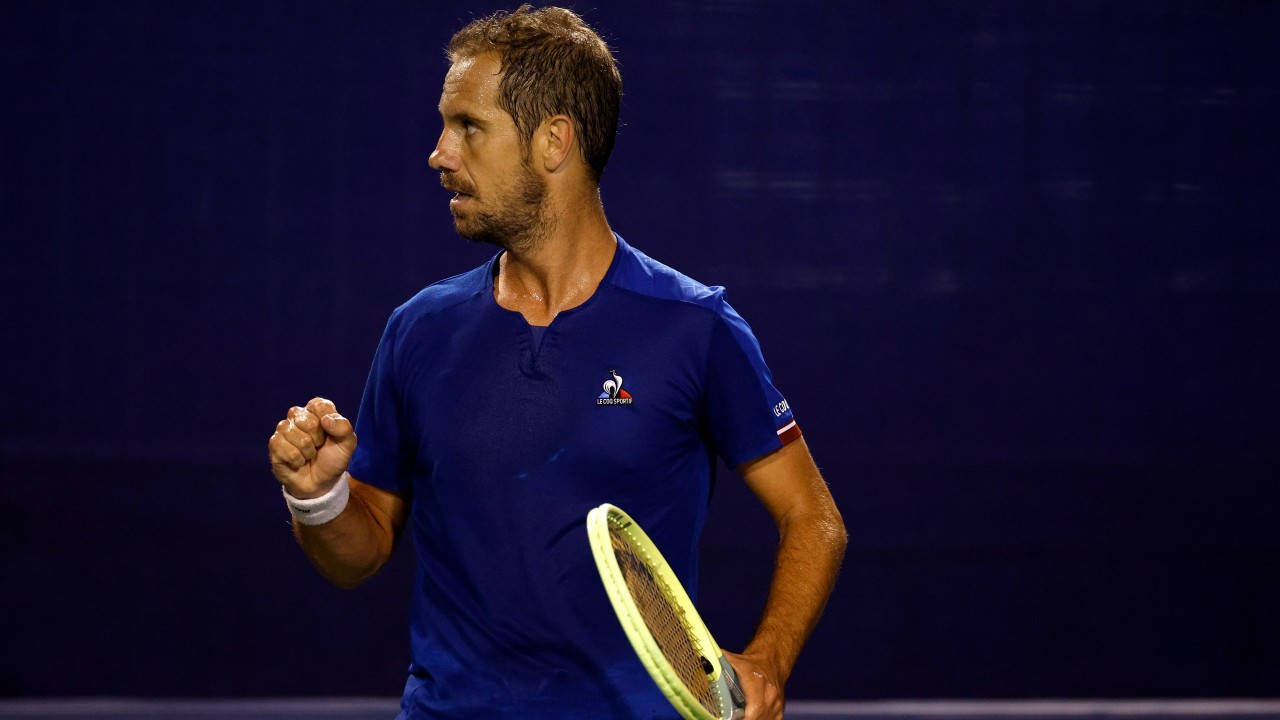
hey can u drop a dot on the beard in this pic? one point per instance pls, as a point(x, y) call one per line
point(513, 218)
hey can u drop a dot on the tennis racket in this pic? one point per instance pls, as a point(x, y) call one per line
point(660, 621)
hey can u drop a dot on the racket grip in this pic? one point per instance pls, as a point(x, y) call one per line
point(736, 696)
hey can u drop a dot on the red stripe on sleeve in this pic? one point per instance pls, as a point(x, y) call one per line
point(789, 432)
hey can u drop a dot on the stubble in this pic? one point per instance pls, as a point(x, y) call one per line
point(514, 220)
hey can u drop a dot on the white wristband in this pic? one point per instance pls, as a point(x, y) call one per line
point(320, 510)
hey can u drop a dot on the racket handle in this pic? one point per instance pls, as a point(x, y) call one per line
point(735, 689)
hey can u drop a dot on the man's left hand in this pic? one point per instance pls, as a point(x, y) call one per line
point(761, 683)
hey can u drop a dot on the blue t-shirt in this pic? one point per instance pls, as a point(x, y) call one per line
point(504, 444)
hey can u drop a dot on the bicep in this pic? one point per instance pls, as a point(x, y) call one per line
point(788, 483)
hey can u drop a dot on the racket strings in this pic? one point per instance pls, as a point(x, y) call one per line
point(665, 621)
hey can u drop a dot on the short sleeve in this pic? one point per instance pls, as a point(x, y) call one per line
point(383, 455)
point(748, 416)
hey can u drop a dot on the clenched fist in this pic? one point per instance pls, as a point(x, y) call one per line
point(310, 449)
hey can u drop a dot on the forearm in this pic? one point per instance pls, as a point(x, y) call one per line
point(353, 546)
point(811, 548)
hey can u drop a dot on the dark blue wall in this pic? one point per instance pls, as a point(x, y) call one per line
point(1013, 263)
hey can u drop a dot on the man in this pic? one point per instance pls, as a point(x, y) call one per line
point(506, 402)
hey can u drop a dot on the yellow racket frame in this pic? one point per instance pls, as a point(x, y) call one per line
point(724, 681)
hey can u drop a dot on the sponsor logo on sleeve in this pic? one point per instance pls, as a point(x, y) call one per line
point(789, 430)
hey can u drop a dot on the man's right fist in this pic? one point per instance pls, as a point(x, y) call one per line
point(310, 449)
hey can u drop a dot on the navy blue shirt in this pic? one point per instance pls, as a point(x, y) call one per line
point(504, 444)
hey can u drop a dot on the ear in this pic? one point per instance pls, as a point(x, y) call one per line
point(558, 141)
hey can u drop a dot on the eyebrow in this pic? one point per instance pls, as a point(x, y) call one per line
point(461, 116)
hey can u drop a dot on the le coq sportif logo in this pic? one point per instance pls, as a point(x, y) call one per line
point(613, 393)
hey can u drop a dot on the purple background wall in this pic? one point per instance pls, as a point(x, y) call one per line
point(1013, 263)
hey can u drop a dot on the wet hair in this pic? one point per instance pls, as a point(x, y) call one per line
point(552, 63)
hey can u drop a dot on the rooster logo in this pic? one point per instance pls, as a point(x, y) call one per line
point(613, 393)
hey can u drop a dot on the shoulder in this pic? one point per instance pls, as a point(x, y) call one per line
point(411, 328)
point(641, 275)
point(441, 296)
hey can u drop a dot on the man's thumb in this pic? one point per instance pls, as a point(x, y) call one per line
point(339, 428)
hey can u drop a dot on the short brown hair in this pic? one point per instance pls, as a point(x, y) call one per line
point(552, 63)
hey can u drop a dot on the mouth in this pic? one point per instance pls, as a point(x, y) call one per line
point(458, 193)
point(459, 199)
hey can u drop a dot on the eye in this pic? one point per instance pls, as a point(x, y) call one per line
point(469, 127)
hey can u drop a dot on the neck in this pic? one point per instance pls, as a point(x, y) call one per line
point(564, 267)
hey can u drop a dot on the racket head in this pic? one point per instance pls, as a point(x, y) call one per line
point(660, 620)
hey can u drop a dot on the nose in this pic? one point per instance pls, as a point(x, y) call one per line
point(445, 155)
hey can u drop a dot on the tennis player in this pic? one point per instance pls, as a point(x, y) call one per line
point(504, 403)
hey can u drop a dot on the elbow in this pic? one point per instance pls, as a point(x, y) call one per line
point(352, 578)
point(373, 564)
point(833, 524)
point(350, 571)
point(347, 583)
point(839, 533)
point(823, 524)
